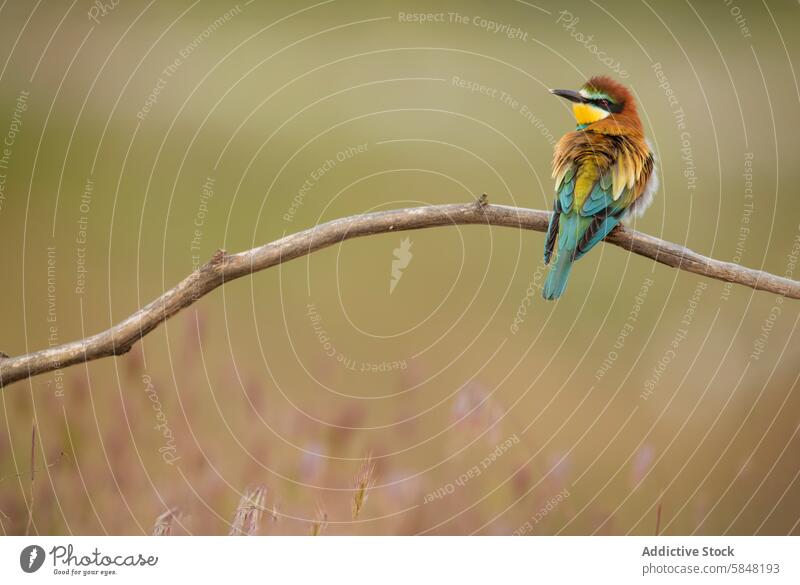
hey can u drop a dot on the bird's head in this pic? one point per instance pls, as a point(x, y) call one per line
point(599, 99)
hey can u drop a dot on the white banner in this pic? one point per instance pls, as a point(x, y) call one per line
point(400, 559)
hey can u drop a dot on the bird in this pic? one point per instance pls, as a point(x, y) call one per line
point(604, 174)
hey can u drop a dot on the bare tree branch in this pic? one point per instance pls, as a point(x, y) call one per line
point(226, 267)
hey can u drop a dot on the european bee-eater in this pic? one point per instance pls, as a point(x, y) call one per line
point(604, 173)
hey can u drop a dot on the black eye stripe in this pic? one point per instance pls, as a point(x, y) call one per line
point(607, 105)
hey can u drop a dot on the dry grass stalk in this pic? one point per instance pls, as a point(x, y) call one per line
point(273, 512)
point(56, 461)
point(365, 480)
point(658, 518)
point(248, 513)
point(320, 522)
point(163, 525)
point(33, 475)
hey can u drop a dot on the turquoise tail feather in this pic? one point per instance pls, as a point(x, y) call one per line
point(576, 236)
point(570, 227)
point(556, 282)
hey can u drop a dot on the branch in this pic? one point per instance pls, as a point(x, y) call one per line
point(226, 267)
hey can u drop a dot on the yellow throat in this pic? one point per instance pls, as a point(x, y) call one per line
point(587, 113)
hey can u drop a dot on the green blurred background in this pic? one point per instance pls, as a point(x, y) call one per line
point(644, 391)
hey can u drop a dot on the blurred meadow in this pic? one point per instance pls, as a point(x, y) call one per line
point(451, 399)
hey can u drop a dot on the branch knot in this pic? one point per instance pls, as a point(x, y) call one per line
point(218, 258)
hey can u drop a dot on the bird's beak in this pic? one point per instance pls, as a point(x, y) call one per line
point(572, 96)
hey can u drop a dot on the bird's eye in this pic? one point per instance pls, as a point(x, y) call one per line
point(604, 104)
